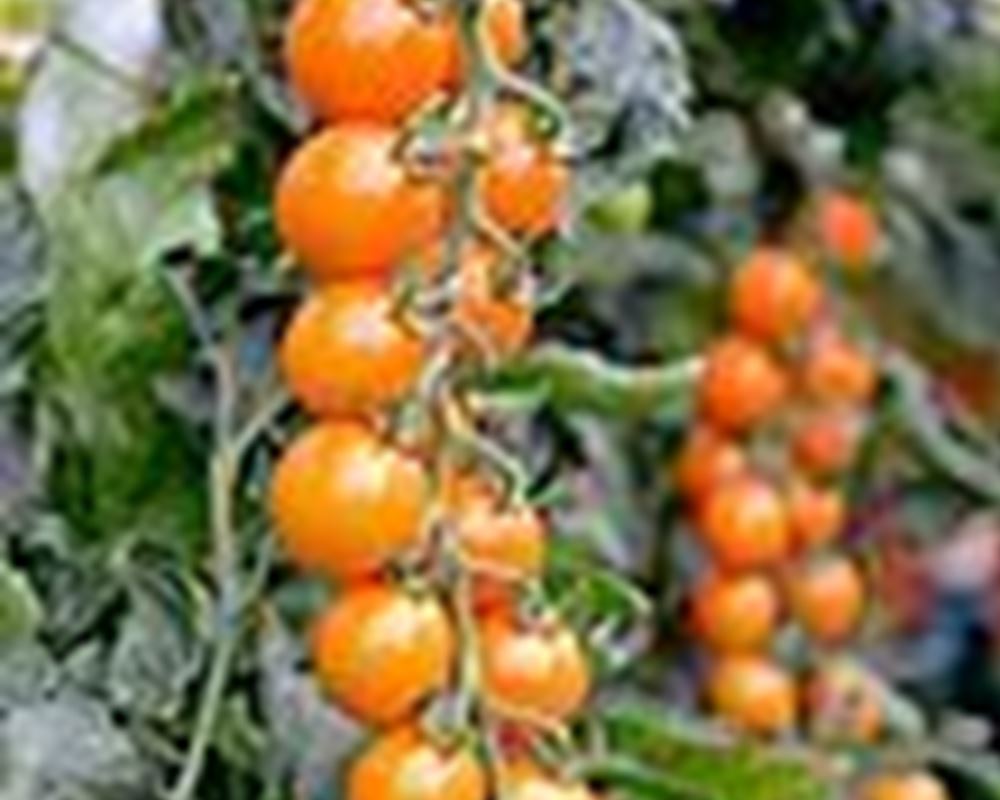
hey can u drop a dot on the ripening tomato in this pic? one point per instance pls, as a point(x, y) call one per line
point(525, 780)
point(744, 524)
point(825, 441)
point(347, 207)
point(742, 385)
point(707, 460)
point(816, 514)
point(828, 598)
point(404, 764)
point(774, 295)
point(523, 184)
point(495, 318)
point(735, 613)
point(503, 543)
point(534, 669)
point(379, 651)
point(837, 371)
point(345, 502)
point(903, 786)
point(844, 704)
point(753, 694)
point(504, 29)
point(345, 350)
point(848, 229)
point(367, 60)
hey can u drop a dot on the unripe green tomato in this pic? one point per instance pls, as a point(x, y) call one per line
point(625, 211)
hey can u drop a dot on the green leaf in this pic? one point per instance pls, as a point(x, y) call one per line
point(20, 610)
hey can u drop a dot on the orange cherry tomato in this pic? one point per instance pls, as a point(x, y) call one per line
point(345, 351)
point(816, 514)
point(404, 764)
point(742, 385)
point(367, 60)
point(828, 598)
point(825, 441)
point(836, 371)
point(753, 694)
point(844, 704)
point(504, 33)
point(744, 524)
point(523, 184)
point(380, 651)
point(524, 780)
point(774, 295)
point(848, 229)
point(707, 460)
point(345, 502)
point(735, 614)
point(903, 786)
point(534, 670)
point(347, 207)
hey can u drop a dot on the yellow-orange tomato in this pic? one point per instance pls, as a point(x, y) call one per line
point(848, 229)
point(707, 460)
point(753, 694)
point(844, 704)
point(536, 670)
point(903, 786)
point(504, 544)
point(345, 502)
point(495, 318)
point(367, 60)
point(524, 780)
point(828, 598)
point(825, 441)
point(504, 34)
point(836, 371)
point(774, 295)
point(345, 351)
point(523, 184)
point(742, 385)
point(347, 207)
point(744, 524)
point(380, 651)
point(816, 514)
point(404, 764)
point(735, 613)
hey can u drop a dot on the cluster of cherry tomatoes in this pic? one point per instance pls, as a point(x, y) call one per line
point(429, 550)
point(781, 411)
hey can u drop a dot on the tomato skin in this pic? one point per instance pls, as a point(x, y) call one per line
point(817, 515)
point(753, 694)
point(744, 525)
point(903, 786)
point(403, 764)
point(524, 780)
point(735, 614)
point(707, 460)
point(828, 599)
point(540, 670)
point(742, 385)
point(347, 208)
point(838, 372)
point(523, 184)
point(345, 351)
point(504, 32)
point(774, 295)
point(844, 704)
point(366, 60)
point(380, 651)
point(345, 503)
point(825, 441)
point(848, 229)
